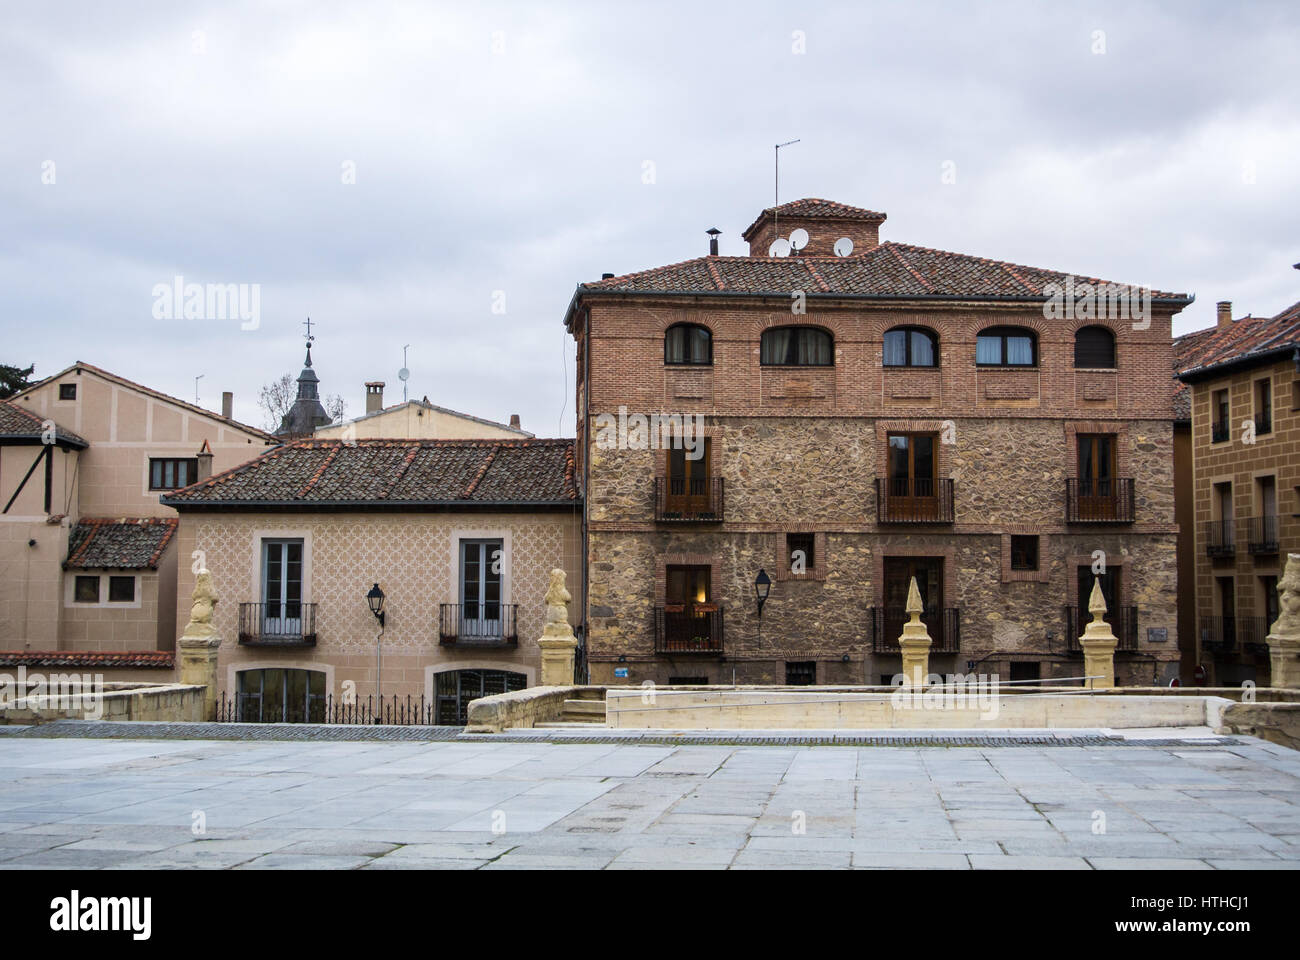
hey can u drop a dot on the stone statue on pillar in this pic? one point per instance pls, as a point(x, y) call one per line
point(199, 643)
point(1284, 633)
point(558, 641)
point(915, 641)
point(1098, 643)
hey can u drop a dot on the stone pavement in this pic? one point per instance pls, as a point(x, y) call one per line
point(491, 804)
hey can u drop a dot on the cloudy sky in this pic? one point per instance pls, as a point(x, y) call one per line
point(396, 171)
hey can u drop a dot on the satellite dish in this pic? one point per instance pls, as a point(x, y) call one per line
point(780, 248)
point(843, 247)
point(799, 239)
point(403, 374)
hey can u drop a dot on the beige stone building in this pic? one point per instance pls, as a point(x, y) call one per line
point(871, 412)
point(1241, 394)
point(417, 420)
point(458, 535)
point(87, 553)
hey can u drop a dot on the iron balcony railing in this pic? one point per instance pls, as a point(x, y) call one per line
point(395, 710)
point(277, 624)
point(1263, 423)
point(478, 624)
point(1261, 534)
point(1099, 501)
point(688, 628)
point(1123, 624)
point(1218, 634)
point(1252, 634)
point(689, 499)
point(1219, 539)
point(914, 500)
point(1220, 431)
point(943, 625)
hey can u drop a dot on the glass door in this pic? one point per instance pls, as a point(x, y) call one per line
point(688, 481)
point(282, 588)
point(912, 464)
point(899, 572)
point(1097, 488)
point(480, 588)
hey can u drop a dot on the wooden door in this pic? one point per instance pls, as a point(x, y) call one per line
point(1098, 499)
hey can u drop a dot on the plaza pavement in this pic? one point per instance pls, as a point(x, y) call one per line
point(492, 804)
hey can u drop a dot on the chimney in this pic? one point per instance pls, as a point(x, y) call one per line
point(205, 460)
point(514, 421)
point(713, 240)
point(228, 405)
point(607, 276)
point(1225, 313)
point(374, 396)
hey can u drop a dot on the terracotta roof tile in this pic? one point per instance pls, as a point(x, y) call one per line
point(1237, 342)
point(160, 659)
point(19, 424)
point(814, 207)
point(126, 544)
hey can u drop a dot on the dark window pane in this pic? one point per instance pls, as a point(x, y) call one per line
point(67, 391)
point(1024, 553)
point(1094, 347)
point(121, 589)
point(796, 346)
point(802, 547)
point(87, 590)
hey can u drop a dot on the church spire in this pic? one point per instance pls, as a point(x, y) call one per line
point(307, 413)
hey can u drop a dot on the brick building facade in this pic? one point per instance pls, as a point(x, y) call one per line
point(851, 441)
point(1242, 394)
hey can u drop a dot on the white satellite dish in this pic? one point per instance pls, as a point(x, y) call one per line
point(843, 247)
point(799, 239)
point(403, 374)
point(780, 248)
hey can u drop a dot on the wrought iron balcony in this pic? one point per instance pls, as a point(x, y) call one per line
point(1099, 501)
point(943, 625)
point(688, 628)
point(1220, 431)
point(1123, 624)
point(914, 500)
point(277, 624)
point(1218, 634)
point(1261, 534)
point(1252, 634)
point(1219, 539)
point(478, 624)
point(1263, 423)
point(689, 499)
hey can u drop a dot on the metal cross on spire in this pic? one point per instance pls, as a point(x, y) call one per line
point(307, 324)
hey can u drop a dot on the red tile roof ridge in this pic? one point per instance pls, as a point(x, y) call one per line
point(401, 471)
point(910, 269)
point(826, 287)
point(713, 272)
point(482, 472)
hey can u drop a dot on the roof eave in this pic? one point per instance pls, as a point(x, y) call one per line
point(366, 506)
point(1210, 371)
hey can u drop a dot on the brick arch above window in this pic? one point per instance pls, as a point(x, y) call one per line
point(1119, 430)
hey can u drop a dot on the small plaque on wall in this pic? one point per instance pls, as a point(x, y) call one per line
point(1157, 634)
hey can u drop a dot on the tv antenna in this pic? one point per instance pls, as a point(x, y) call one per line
point(404, 374)
point(196, 388)
point(776, 193)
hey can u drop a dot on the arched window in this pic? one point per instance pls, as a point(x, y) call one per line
point(911, 347)
point(797, 347)
point(1094, 347)
point(1006, 347)
point(688, 343)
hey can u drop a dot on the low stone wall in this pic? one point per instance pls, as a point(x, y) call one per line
point(524, 708)
point(1275, 722)
point(133, 701)
point(728, 708)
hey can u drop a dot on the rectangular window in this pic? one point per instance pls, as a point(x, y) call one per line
point(86, 590)
point(1263, 406)
point(281, 588)
point(912, 464)
point(801, 673)
point(1024, 552)
point(67, 391)
point(1295, 394)
point(802, 549)
point(170, 473)
point(1221, 425)
point(480, 587)
point(121, 589)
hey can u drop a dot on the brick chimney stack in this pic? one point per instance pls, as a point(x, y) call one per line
point(514, 421)
point(1225, 313)
point(204, 462)
point(228, 405)
point(374, 396)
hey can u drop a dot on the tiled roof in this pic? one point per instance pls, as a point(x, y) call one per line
point(1237, 342)
point(379, 473)
point(900, 270)
point(19, 424)
point(126, 544)
point(161, 659)
point(123, 381)
point(814, 207)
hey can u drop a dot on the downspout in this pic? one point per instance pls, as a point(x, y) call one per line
point(586, 486)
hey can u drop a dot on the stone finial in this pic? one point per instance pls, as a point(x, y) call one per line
point(1097, 601)
point(1284, 634)
point(204, 603)
point(558, 641)
point(914, 607)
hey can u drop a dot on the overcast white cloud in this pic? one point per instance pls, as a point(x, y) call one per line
point(501, 147)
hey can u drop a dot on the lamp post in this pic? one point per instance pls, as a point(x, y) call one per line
point(375, 599)
point(762, 587)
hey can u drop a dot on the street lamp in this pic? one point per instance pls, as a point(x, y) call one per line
point(375, 600)
point(762, 586)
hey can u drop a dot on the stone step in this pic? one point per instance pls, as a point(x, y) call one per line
point(584, 708)
point(570, 724)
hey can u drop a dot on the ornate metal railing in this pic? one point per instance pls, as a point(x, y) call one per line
point(1218, 634)
point(689, 500)
point(1261, 534)
point(478, 624)
point(1220, 540)
point(1252, 634)
point(1123, 624)
point(395, 710)
point(943, 625)
point(1220, 431)
point(688, 628)
point(277, 624)
point(1099, 501)
point(914, 500)
point(1263, 423)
